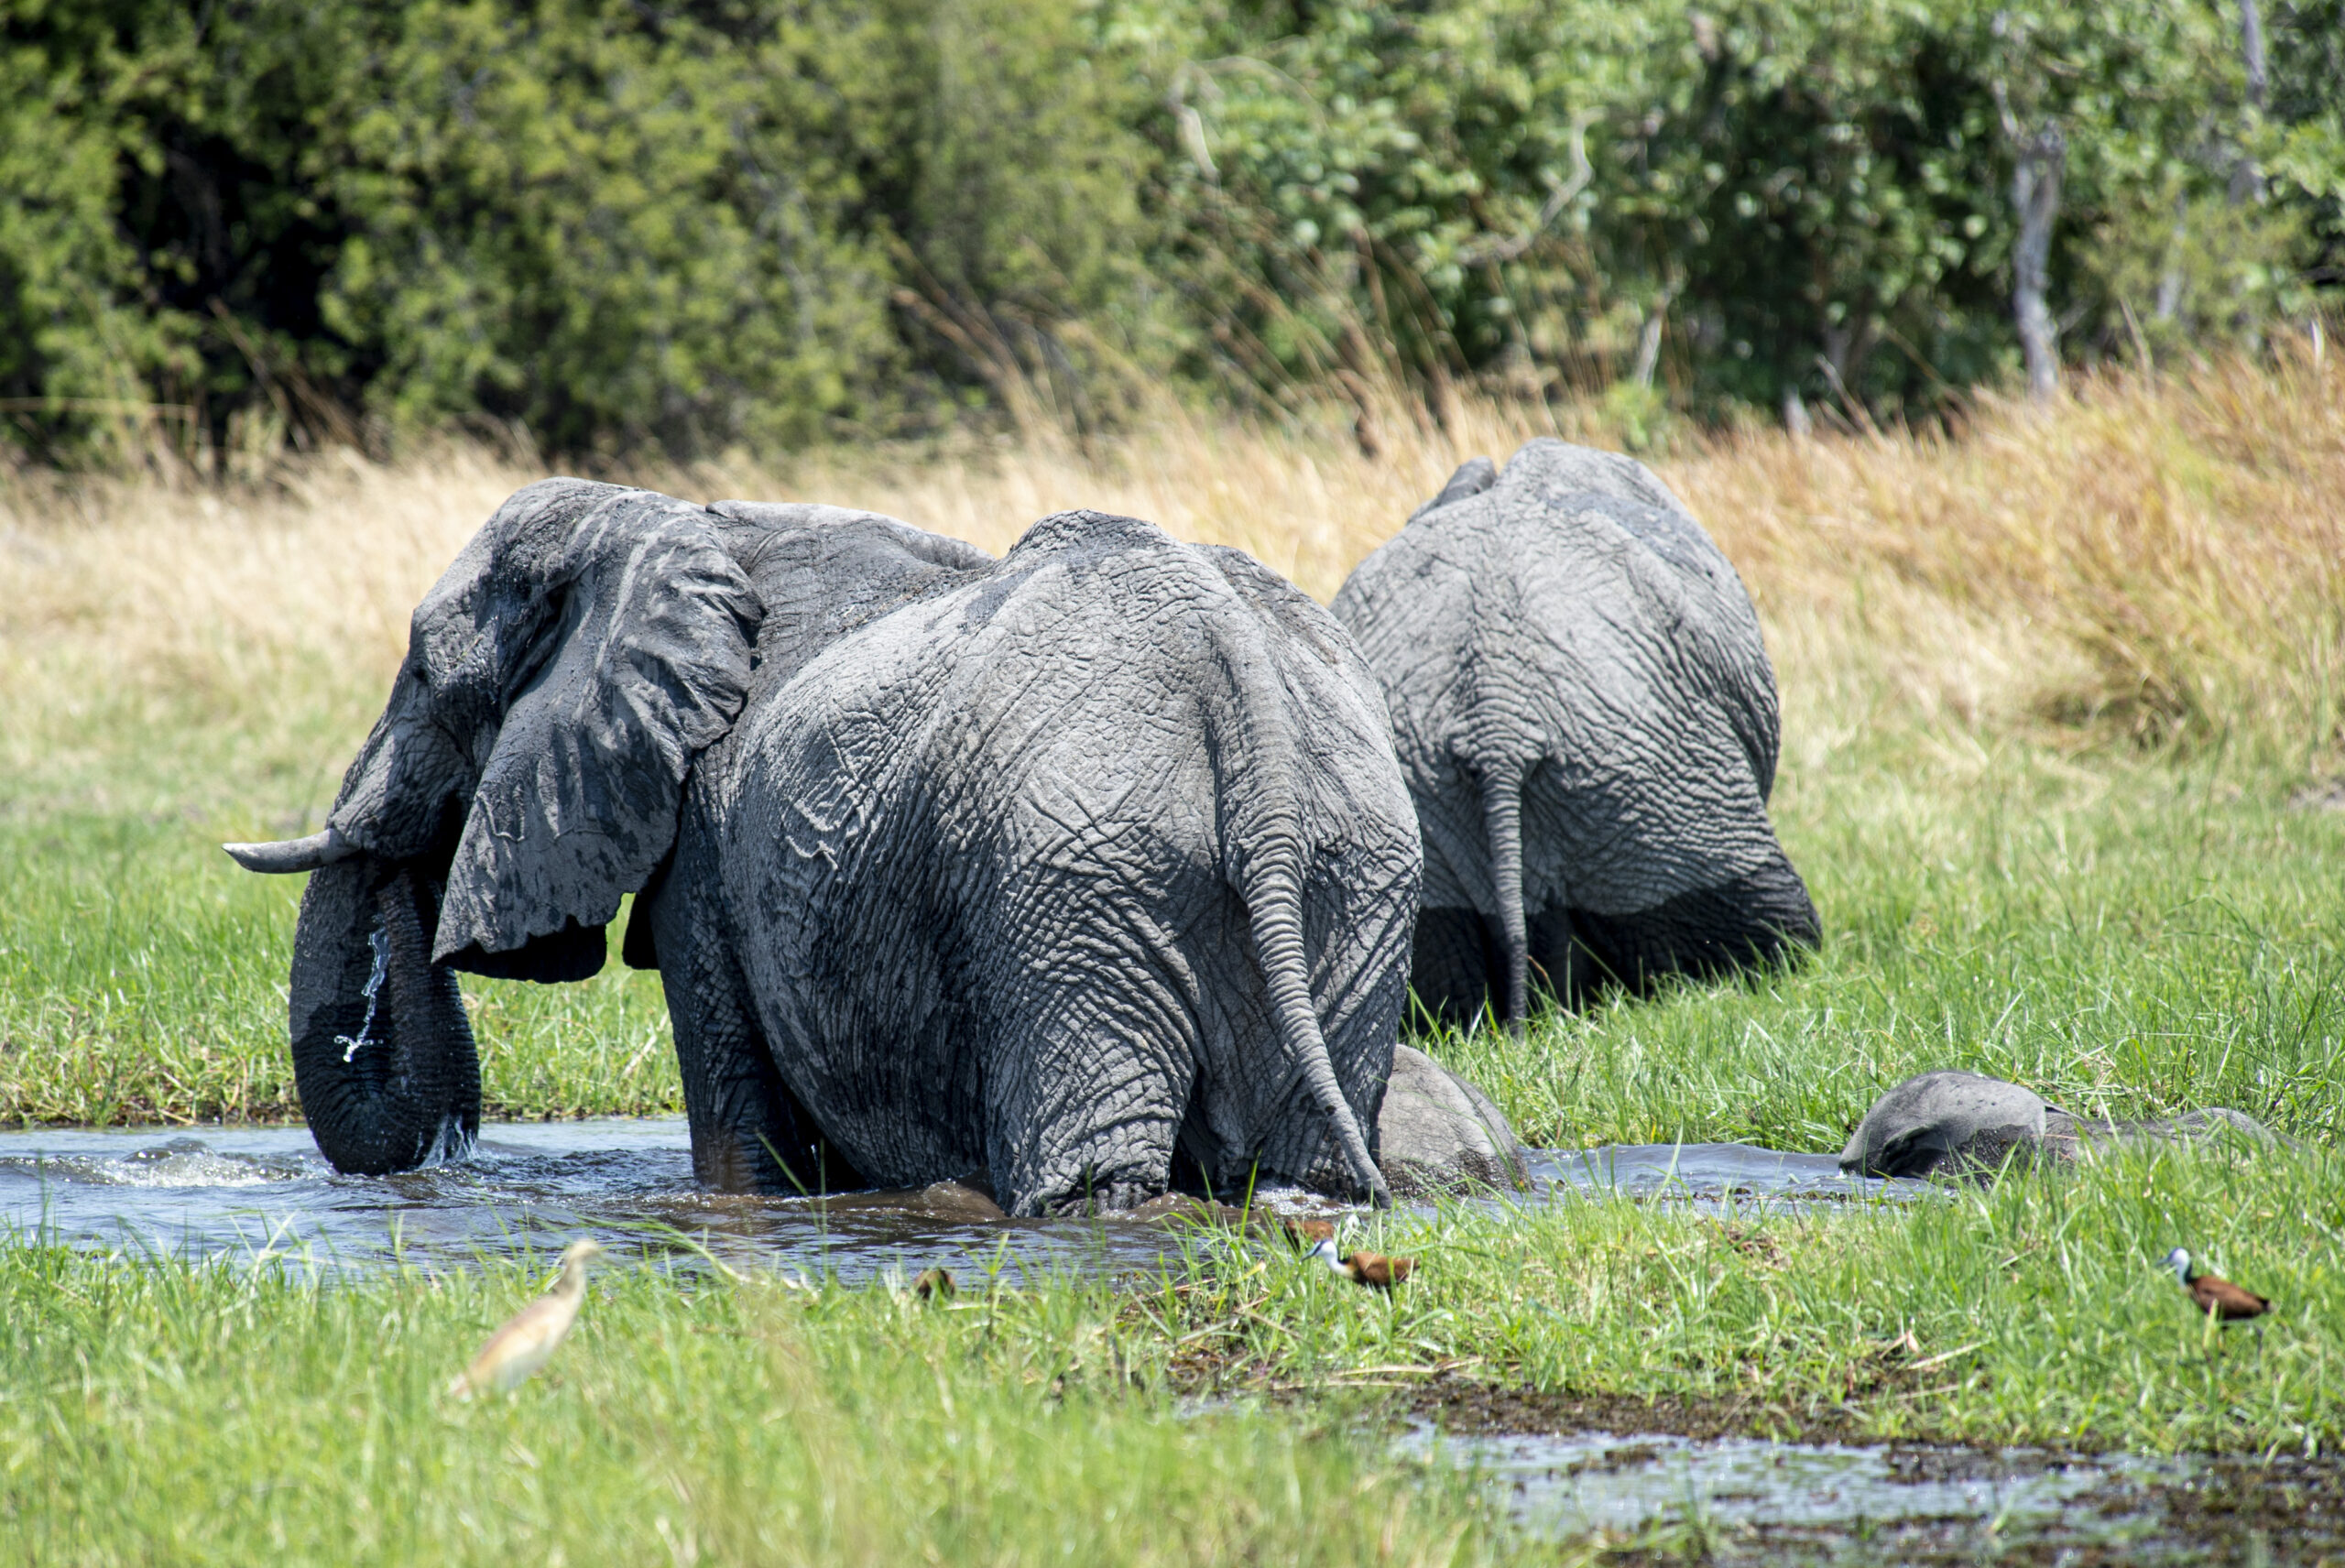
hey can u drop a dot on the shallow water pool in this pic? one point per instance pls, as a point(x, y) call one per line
point(251, 1192)
point(1751, 1500)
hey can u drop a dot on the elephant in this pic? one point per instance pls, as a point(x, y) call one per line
point(1085, 873)
point(1440, 1133)
point(1583, 708)
point(1955, 1123)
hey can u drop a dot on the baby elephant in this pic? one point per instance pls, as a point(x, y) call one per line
point(1951, 1123)
point(1585, 715)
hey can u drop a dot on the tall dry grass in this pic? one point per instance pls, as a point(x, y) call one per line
point(2155, 560)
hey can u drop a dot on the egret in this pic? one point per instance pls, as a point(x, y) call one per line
point(530, 1336)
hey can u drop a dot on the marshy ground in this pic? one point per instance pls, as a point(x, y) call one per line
point(2060, 725)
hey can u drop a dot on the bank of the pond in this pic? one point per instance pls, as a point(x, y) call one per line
point(2033, 1311)
point(1228, 1401)
point(2030, 1313)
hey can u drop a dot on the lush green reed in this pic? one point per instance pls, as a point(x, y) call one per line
point(2033, 1311)
point(157, 1411)
point(163, 1413)
point(142, 978)
point(2130, 938)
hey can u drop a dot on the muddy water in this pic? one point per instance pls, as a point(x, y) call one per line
point(248, 1192)
point(1747, 1499)
point(264, 1191)
point(1710, 1175)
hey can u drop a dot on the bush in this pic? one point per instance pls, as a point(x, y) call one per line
point(684, 224)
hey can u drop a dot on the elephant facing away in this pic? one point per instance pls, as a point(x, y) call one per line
point(1585, 715)
point(1089, 870)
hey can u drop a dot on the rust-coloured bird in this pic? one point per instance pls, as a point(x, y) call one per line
point(530, 1336)
point(933, 1284)
point(1371, 1268)
point(2219, 1297)
point(1305, 1233)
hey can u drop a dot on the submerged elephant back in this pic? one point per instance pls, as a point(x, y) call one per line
point(988, 828)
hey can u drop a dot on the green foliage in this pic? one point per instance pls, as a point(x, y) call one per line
point(609, 226)
point(680, 226)
point(1807, 196)
point(142, 979)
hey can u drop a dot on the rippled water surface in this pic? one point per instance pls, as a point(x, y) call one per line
point(1710, 1175)
point(526, 1188)
point(244, 1191)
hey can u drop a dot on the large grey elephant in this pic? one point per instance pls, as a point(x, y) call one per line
point(1088, 870)
point(1586, 715)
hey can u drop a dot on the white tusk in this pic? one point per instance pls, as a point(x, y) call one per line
point(321, 848)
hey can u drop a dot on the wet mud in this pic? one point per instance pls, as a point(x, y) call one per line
point(1734, 1482)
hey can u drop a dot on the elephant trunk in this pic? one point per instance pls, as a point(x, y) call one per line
point(383, 1054)
point(1503, 820)
point(1274, 905)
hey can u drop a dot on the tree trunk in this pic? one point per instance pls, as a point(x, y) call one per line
point(2247, 178)
point(2036, 194)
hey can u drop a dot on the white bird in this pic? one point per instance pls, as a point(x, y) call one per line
point(530, 1336)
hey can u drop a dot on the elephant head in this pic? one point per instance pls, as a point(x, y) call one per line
point(559, 679)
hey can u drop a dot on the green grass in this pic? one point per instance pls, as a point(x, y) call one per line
point(162, 1413)
point(157, 1411)
point(2031, 1312)
point(142, 979)
point(2128, 937)
point(2132, 935)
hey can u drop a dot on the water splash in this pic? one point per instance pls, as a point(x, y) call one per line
point(380, 941)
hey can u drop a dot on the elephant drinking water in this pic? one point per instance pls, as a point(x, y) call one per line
point(1089, 870)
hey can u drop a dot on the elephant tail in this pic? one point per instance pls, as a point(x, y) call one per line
point(1272, 889)
point(1503, 820)
point(1260, 764)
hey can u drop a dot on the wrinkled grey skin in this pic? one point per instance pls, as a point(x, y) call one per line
point(1439, 1134)
point(1586, 715)
point(1088, 869)
point(1963, 1124)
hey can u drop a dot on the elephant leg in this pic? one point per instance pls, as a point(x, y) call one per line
point(1083, 1113)
point(1455, 957)
point(1562, 965)
point(749, 1133)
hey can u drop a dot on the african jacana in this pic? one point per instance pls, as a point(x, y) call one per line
point(530, 1336)
point(1371, 1268)
point(2219, 1297)
point(933, 1284)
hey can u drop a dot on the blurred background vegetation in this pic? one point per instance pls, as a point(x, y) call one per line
point(678, 228)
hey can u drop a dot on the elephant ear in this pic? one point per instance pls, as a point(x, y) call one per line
point(1474, 475)
point(645, 662)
